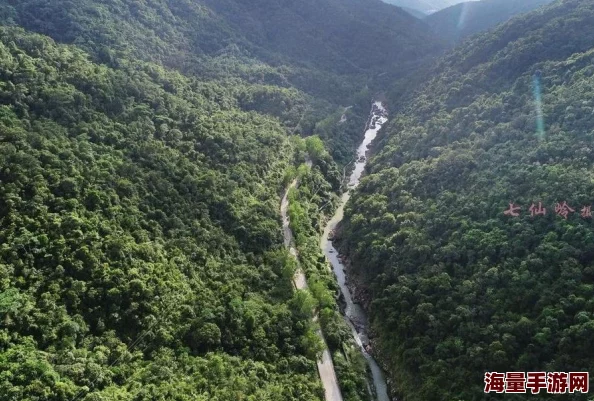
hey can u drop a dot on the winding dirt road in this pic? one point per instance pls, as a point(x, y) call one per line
point(325, 364)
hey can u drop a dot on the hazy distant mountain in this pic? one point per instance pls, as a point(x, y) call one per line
point(464, 19)
point(415, 13)
point(424, 6)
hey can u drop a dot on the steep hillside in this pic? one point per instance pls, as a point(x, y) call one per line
point(347, 36)
point(336, 35)
point(140, 252)
point(458, 287)
point(326, 50)
point(144, 146)
point(457, 22)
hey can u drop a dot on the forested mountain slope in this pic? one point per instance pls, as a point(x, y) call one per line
point(458, 287)
point(347, 36)
point(326, 49)
point(457, 22)
point(334, 35)
point(144, 146)
point(138, 223)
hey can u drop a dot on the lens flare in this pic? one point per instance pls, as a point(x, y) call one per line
point(540, 124)
point(463, 16)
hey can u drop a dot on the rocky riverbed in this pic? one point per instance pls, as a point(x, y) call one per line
point(355, 314)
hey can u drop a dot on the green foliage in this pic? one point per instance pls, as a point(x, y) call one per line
point(458, 288)
point(141, 249)
point(10, 301)
point(306, 202)
point(180, 31)
point(315, 147)
point(143, 146)
point(298, 45)
point(341, 131)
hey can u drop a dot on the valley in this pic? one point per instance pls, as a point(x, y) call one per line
point(197, 204)
point(355, 316)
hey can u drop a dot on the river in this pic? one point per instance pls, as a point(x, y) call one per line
point(354, 314)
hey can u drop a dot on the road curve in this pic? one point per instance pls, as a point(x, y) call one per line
point(325, 364)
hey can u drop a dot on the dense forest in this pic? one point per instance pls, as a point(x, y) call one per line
point(139, 218)
point(309, 202)
point(144, 148)
point(459, 287)
point(297, 79)
point(310, 45)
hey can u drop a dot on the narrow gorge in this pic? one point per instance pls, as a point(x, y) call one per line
point(354, 314)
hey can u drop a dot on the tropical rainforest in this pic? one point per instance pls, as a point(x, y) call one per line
point(458, 286)
point(144, 150)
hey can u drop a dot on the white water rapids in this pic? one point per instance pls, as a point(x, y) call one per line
point(354, 314)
